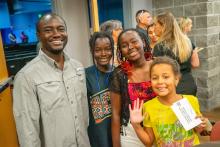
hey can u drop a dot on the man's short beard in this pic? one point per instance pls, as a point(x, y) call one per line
point(56, 52)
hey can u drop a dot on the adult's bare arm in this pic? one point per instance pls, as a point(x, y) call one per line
point(195, 59)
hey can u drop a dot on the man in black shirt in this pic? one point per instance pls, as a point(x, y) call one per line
point(143, 19)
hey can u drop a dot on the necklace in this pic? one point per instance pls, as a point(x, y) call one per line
point(106, 78)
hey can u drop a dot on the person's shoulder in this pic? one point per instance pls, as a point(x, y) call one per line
point(77, 66)
point(31, 66)
point(151, 103)
point(75, 63)
point(140, 29)
point(29, 70)
point(159, 45)
point(144, 32)
point(157, 48)
point(89, 69)
point(118, 71)
point(191, 98)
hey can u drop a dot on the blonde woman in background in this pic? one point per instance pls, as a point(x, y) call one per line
point(173, 43)
point(185, 24)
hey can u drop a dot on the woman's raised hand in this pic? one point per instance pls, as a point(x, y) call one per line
point(136, 116)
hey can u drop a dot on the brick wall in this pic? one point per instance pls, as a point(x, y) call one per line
point(205, 15)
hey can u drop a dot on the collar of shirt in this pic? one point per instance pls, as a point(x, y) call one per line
point(51, 61)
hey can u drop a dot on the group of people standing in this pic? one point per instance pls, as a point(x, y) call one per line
point(13, 39)
point(123, 100)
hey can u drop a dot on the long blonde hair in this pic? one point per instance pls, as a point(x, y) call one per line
point(172, 37)
point(184, 22)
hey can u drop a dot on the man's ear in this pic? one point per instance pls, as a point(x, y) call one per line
point(140, 18)
point(137, 19)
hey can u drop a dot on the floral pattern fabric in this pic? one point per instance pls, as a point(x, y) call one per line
point(142, 90)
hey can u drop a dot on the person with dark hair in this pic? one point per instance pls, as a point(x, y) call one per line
point(130, 80)
point(49, 96)
point(114, 28)
point(97, 81)
point(12, 38)
point(110, 26)
point(160, 123)
point(152, 36)
point(143, 19)
point(24, 37)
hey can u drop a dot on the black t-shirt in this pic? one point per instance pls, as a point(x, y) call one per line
point(161, 50)
point(99, 129)
point(186, 84)
point(144, 33)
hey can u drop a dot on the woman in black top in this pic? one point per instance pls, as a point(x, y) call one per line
point(185, 24)
point(175, 44)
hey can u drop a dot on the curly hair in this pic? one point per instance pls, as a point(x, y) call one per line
point(93, 39)
point(147, 48)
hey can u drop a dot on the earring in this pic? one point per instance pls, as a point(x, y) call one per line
point(124, 59)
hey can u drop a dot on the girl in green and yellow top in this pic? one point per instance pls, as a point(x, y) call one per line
point(160, 123)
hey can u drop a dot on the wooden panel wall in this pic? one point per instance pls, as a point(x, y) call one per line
point(8, 137)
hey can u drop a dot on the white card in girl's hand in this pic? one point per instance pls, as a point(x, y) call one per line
point(185, 113)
